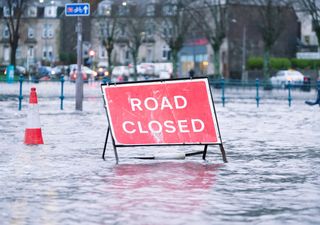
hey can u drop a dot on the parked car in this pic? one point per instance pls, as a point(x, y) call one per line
point(59, 70)
point(43, 74)
point(89, 72)
point(306, 86)
point(102, 72)
point(74, 73)
point(20, 70)
point(120, 73)
point(283, 77)
point(3, 68)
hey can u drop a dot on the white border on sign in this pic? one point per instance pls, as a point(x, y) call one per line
point(210, 99)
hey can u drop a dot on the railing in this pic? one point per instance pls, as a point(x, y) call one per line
point(220, 87)
point(259, 86)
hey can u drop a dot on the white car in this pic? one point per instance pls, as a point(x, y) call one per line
point(283, 77)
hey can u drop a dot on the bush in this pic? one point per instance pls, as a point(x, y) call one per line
point(305, 63)
point(68, 58)
point(280, 63)
point(255, 63)
point(275, 63)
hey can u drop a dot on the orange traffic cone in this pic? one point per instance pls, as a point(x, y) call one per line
point(33, 134)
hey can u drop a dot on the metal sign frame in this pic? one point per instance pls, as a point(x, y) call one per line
point(203, 152)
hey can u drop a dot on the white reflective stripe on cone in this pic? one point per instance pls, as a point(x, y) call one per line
point(33, 120)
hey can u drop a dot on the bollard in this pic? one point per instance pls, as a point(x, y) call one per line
point(20, 92)
point(61, 96)
point(104, 80)
point(222, 91)
point(257, 91)
point(289, 94)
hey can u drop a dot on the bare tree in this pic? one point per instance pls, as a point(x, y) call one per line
point(109, 25)
point(175, 25)
point(134, 26)
point(14, 11)
point(272, 13)
point(312, 7)
point(211, 18)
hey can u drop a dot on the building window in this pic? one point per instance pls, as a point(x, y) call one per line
point(104, 10)
point(149, 55)
point(6, 53)
point(18, 53)
point(307, 39)
point(122, 31)
point(47, 31)
point(102, 52)
point(149, 29)
point(169, 10)
point(6, 11)
point(123, 10)
point(30, 32)
point(166, 53)
point(32, 11)
point(150, 10)
point(5, 33)
point(127, 55)
point(47, 52)
point(30, 52)
point(167, 29)
point(50, 11)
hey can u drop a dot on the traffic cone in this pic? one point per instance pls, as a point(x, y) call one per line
point(33, 134)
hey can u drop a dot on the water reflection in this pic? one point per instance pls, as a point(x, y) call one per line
point(179, 188)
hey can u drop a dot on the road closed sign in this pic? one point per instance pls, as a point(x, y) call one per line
point(161, 112)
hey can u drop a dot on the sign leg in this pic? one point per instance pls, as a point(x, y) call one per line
point(116, 154)
point(105, 143)
point(204, 152)
point(224, 157)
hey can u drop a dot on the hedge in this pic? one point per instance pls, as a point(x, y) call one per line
point(283, 63)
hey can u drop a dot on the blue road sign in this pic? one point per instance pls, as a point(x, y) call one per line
point(77, 9)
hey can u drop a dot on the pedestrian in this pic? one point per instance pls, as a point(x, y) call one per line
point(317, 101)
point(191, 73)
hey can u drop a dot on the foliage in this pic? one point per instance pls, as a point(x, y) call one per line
point(280, 63)
point(256, 63)
point(305, 63)
point(68, 58)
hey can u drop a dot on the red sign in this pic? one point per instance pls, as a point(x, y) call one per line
point(161, 112)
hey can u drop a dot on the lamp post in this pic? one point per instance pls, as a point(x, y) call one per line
point(244, 74)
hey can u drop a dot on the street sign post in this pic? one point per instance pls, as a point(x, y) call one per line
point(77, 9)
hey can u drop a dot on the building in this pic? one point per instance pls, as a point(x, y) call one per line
point(39, 33)
point(48, 36)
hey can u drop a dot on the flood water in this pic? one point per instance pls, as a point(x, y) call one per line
point(272, 177)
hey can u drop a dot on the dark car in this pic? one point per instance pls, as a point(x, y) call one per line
point(306, 85)
point(102, 73)
point(43, 74)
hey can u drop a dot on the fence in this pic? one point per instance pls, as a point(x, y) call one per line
point(223, 91)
